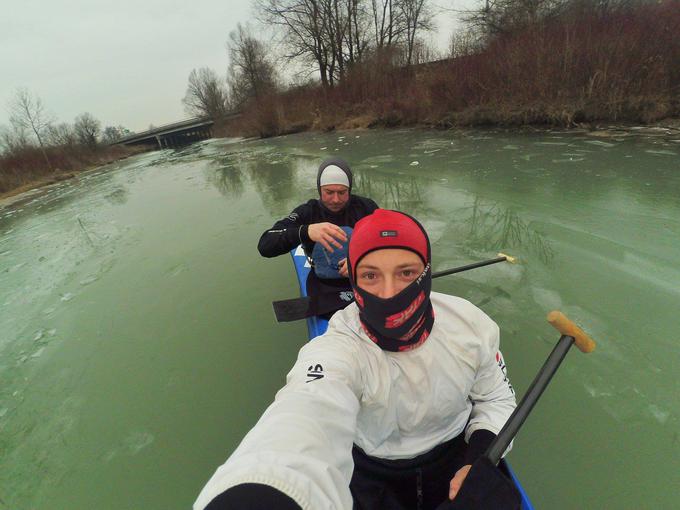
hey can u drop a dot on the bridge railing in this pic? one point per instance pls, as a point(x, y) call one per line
point(165, 127)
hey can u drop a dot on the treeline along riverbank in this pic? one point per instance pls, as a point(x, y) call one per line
point(579, 64)
point(559, 63)
point(26, 168)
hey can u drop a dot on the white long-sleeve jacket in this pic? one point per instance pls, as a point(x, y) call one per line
point(344, 389)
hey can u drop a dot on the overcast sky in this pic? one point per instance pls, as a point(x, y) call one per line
point(125, 62)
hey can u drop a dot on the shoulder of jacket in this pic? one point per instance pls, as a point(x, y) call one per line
point(302, 211)
point(461, 309)
point(450, 301)
point(308, 205)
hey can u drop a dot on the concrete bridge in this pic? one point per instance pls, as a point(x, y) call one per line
point(172, 135)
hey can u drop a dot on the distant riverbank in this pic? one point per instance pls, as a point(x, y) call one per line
point(667, 128)
point(25, 171)
point(582, 68)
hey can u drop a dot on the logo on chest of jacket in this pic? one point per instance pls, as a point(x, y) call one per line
point(315, 372)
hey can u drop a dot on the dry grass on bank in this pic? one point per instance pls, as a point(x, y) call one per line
point(582, 67)
point(24, 169)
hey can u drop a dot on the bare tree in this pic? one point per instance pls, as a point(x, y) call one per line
point(111, 134)
point(358, 31)
point(251, 74)
point(28, 113)
point(62, 134)
point(206, 95)
point(87, 130)
point(463, 43)
point(387, 22)
point(416, 17)
point(330, 35)
point(13, 139)
point(304, 28)
point(494, 17)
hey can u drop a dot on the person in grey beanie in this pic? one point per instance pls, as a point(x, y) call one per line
point(320, 220)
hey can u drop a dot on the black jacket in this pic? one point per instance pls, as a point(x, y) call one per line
point(290, 231)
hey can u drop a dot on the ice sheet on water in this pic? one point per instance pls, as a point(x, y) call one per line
point(90, 279)
point(661, 152)
point(434, 143)
point(660, 415)
point(569, 160)
point(548, 299)
point(600, 143)
point(132, 444)
point(435, 229)
point(377, 160)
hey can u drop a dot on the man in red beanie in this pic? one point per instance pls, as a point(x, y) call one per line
point(390, 407)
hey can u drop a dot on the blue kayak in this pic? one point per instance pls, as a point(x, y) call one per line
point(317, 326)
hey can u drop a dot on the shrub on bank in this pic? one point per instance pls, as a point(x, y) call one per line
point(25, 166)
point(583, 66)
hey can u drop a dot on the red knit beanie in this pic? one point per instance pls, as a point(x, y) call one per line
point(387, 229)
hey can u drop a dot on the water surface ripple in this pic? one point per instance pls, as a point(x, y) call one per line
point(138, 343)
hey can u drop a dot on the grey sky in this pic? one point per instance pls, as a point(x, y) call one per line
point(125, 62)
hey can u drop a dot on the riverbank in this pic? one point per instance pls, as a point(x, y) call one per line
point(581, 68)
point(26, 172)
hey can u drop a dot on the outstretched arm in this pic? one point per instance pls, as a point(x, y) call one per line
point(302, 444)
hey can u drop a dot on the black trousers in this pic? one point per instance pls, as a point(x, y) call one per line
point(324, 294)
point(421, 483)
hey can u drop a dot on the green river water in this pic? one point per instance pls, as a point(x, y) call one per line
point(138, 343)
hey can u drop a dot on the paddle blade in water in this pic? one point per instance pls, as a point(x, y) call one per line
point(288, 310)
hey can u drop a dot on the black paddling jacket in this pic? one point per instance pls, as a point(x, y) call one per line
point(290, 231)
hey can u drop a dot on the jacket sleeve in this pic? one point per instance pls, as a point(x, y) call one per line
point(492, 395)
point(302, 444)
point(286, 233)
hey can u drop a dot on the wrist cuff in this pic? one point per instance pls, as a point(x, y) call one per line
point(304, 236)
point(479, 442)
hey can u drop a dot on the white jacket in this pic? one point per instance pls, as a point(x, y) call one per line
point(344, 389)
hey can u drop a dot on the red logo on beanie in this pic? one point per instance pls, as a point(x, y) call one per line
point(396, 320)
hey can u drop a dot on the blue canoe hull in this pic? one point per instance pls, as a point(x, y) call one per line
point(317, 326)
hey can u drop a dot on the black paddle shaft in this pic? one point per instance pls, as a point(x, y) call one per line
point(328, 302)
point(539, 384)
point(469, 266)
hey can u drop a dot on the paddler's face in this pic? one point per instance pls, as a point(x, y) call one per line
point(385, 273)
point(334, 196)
